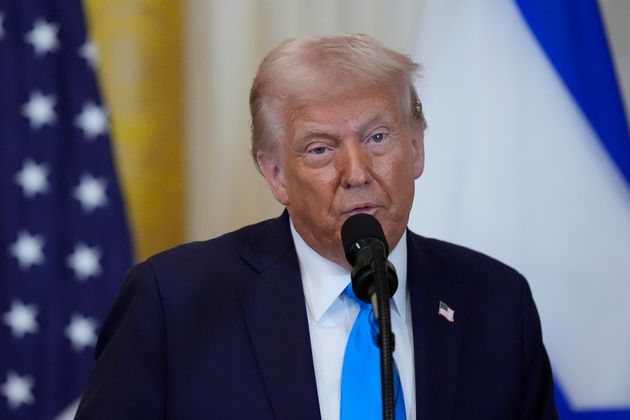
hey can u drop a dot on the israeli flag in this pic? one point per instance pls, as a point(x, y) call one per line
point(528, 160)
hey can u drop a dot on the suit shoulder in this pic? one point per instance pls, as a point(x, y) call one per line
point(211, 250)
point(217, 262)
point(455, 260)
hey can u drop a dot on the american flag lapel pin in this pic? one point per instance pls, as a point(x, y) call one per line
point(445, 311)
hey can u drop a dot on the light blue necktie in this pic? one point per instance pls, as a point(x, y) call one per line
point(361, 397)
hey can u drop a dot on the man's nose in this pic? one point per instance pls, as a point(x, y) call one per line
point(355, 165)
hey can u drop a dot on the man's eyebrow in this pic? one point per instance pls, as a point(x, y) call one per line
point(322, 131)
point(315, 132)
point(379, 117)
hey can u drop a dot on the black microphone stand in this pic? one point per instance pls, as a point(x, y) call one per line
point(386, 337)
point(374, 278)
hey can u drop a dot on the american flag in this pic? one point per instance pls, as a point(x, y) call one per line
point(445, 311)
point(64, 243)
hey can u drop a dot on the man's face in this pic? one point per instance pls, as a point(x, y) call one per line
point(352, 154)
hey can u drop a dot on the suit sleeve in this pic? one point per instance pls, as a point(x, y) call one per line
point(538, 397)
point(128, 380)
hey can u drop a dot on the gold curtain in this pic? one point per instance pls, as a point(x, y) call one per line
point(140, 69)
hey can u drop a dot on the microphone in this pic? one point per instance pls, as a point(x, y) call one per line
point(366, 250)
point(374, 280)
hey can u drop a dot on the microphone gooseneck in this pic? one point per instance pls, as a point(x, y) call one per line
point(374, 280)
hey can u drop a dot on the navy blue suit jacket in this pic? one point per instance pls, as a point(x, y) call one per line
point(218, 330)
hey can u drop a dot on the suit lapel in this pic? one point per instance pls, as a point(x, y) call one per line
point(275, 314)
point(436, 340)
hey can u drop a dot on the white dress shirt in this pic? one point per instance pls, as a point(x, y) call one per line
point(331, 315)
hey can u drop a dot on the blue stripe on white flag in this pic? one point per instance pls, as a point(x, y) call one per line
point(566, 413)
point(519, 166)
point(572, 35)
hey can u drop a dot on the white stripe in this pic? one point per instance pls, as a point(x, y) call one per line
point(514, 170)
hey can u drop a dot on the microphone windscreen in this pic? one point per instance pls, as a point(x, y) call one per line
point(357, 227)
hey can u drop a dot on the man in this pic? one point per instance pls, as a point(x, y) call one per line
point(254, 324)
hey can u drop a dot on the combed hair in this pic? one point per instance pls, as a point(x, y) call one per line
point(309, 69)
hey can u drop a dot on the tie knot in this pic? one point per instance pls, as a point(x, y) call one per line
point(366, 313)
point(350, 293)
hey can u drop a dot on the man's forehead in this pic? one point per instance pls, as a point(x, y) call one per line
point(354, 113)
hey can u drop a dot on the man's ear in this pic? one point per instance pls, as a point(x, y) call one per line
point(417, 144)
point(269, 164)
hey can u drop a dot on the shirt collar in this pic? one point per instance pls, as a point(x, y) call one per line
point(324, 281)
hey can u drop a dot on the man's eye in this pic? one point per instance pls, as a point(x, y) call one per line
point(318, 150)
point(378, 137)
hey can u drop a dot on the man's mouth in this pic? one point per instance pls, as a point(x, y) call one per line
point(362, 208)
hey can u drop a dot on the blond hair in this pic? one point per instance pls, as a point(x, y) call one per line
point(306, 69)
